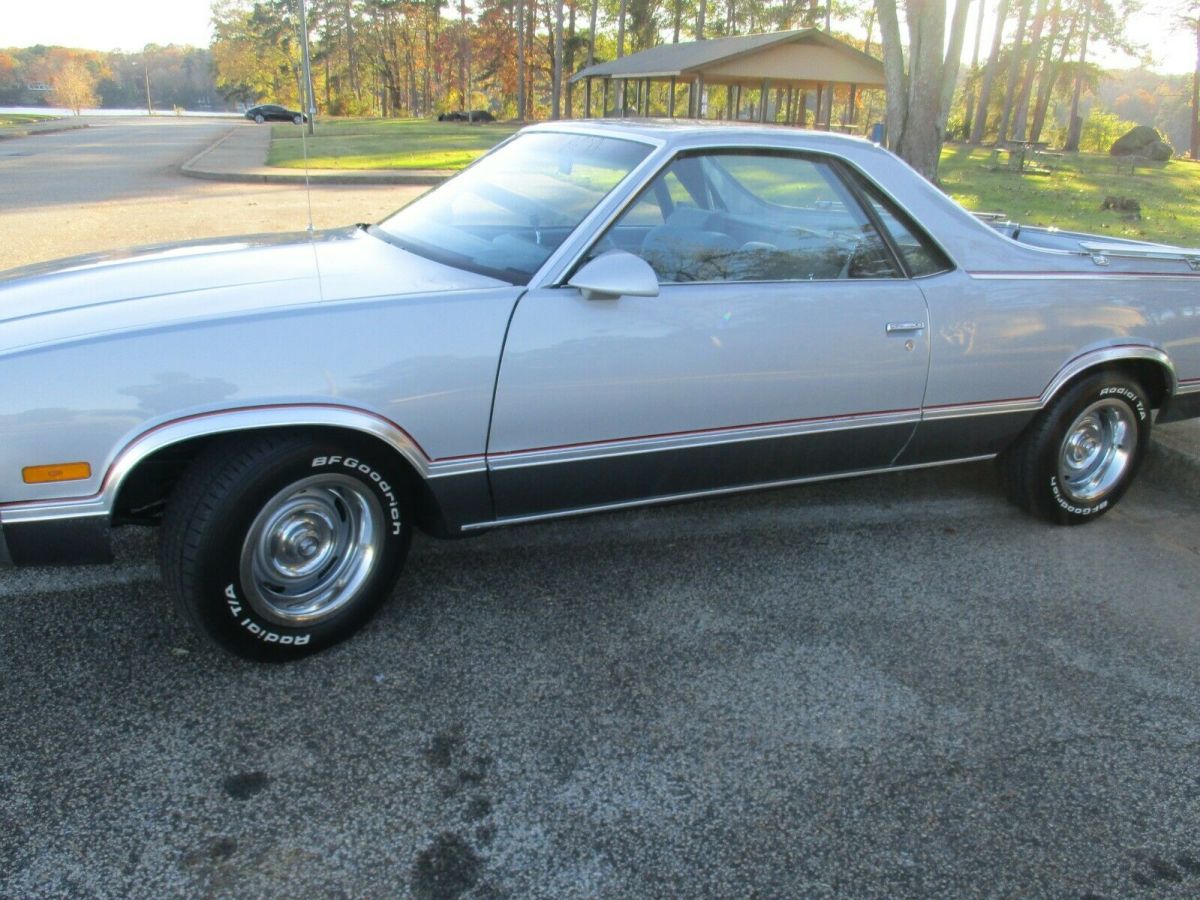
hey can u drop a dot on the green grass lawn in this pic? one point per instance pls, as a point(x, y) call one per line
point(1071, 194)
point(385, 144)
point(7, 119)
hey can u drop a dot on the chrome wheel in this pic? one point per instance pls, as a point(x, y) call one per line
point(1098, 450)
point(311, 549)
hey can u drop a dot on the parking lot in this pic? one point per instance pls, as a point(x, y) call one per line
point(892, 686)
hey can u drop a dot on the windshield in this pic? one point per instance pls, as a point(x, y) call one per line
point(507, 213)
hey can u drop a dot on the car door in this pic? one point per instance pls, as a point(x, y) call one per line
point(786, 342)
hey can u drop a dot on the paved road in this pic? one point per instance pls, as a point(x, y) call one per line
point(116, 184)
point(896, 686)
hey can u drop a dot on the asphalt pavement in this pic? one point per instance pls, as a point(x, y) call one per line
point(896, 686)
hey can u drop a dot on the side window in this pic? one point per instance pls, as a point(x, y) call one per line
point(738, 216)
point(920, 255)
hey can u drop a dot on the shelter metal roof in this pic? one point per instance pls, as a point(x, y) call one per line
point(694, 57)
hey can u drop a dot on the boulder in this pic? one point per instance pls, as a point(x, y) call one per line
point(1142, 140)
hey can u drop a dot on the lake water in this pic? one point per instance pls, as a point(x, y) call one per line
point(60, 111)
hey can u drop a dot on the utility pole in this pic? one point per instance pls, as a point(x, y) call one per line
point(312, 103)
point(146, 72)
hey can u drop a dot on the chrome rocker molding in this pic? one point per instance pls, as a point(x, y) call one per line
point(224, 422)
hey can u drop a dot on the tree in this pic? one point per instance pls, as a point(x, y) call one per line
point(1189, 17)
point(1035, 41)
point(969, 95)
point(915, 91)
point(556, 79)
point(75, 86)
point(1014, 71)
point(1075, 126)
point(989, 74)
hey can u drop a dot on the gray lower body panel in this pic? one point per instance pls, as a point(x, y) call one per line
point(58, 542)
point(579, 483)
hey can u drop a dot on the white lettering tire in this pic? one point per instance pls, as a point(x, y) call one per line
point(278, 546)
point(1082, 452)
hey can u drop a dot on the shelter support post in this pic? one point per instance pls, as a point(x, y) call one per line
point(671, 100)
point(764, 94)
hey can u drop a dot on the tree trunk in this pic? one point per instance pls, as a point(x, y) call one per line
point(621, 29)
point(592, 34)
point(352, 53)
point(557, 66)
point(958, 30)
point(1195, 148)
point(969, 94)
point(521, 52)
point(1014, 72)
point(569, 64)
point(701, 8)
point(893, 70)
point(1035, 41)
point(677, 22)
point(989, 74)
point(1051, 70)
point(1075, 128)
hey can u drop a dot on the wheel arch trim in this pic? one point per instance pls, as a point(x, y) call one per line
point(1106, 355)
point(233, 421)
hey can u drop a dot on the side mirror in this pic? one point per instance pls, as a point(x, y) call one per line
point(616, 273)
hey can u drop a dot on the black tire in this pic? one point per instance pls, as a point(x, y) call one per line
point(1082, 452)
point(278, 546)
point(298, 119)
point(260, 118)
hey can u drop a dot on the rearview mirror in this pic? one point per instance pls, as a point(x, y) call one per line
point(614, 274)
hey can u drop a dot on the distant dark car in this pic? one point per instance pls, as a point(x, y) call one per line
point(478, 115)
point(271, 113)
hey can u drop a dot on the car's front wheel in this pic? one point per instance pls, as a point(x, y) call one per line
point(280, 546)
point(1081, 454)
point(298, 119)
point(259, 118)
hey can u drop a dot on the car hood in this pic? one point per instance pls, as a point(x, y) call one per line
point(165, 284)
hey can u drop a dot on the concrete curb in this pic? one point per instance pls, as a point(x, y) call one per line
point(194, 168)
point(317, 177)
point(9, 133)
point(187, 168)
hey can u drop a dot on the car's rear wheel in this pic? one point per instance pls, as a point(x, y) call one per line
point(280, 546)
point(259, 118)
point(1081, 454)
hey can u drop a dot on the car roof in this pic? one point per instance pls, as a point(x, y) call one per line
point(694, 133)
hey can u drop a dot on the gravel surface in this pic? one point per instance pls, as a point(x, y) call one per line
point(896, 686)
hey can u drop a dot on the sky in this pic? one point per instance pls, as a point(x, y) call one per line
point(131, 24)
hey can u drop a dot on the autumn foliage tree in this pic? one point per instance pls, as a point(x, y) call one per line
point(74, 86)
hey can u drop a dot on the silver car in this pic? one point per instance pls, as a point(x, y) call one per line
point(593, 316)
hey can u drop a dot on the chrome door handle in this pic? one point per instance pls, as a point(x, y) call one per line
point(902, 327)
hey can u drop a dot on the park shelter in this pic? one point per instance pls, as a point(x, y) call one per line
point(789, 64)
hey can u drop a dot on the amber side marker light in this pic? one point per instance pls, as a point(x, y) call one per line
point(60, 472)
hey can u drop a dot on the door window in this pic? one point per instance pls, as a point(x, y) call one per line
point(737, 216)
